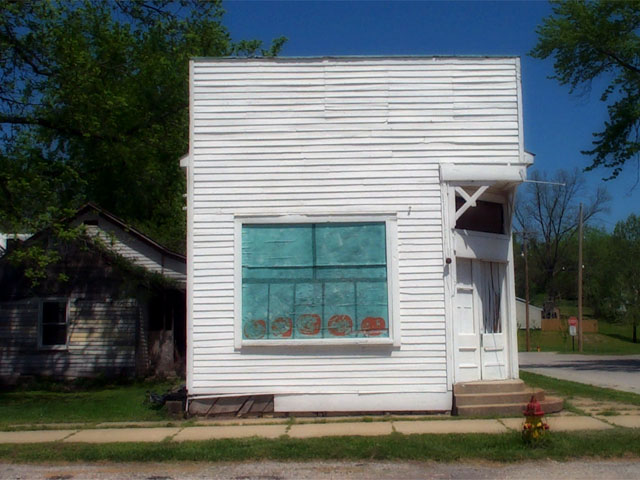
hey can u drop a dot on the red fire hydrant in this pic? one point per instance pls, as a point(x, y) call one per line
point(535, 426)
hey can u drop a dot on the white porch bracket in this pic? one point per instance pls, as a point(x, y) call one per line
point(470, 200)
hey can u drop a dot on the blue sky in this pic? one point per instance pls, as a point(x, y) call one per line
point(557, 125)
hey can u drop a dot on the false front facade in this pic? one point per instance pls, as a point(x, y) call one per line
point(349, 230)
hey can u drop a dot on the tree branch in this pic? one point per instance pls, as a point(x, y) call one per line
point(69, 130)
point(25, 55)
point(46, 123)
point(617, 59)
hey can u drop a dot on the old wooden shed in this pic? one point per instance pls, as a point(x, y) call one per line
point(113, 303)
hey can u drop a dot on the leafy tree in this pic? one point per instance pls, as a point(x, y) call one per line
point(94, 107)
point(591, 40)
point(599, 274)
point(626, 236)
point(550, 214)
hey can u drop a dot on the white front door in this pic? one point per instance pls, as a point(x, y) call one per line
point(479, 326)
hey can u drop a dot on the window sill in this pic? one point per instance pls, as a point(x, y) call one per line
point(53, 348)
point(475, 233)
point(324, 342)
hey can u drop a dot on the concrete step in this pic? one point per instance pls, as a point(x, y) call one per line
point(549, 405)
point(552, 404)
point(467, 399)
point(491, 386)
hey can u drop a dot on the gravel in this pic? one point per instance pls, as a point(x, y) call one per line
point(548, 470)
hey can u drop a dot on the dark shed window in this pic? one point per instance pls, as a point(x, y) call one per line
point(484, 217)
point(53, 329)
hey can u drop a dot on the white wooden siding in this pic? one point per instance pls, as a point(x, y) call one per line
point(335, 136)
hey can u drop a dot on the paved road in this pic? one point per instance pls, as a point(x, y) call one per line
point(547, 469)
point(621, 372)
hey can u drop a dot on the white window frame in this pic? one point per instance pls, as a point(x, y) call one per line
point(41, 303)
point(393, 296)
point(487, 197)
point(478, 245)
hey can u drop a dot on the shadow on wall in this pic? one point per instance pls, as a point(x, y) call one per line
point(105, 337)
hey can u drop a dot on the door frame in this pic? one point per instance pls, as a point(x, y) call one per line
point(450, 278)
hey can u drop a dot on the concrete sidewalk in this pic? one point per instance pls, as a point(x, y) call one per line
point(274, 428)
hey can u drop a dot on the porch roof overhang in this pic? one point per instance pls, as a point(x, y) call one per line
point(485, 174)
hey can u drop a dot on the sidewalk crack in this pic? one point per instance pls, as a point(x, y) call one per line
point(500, 421)
point(290, 423)
point(604, 420)
point(170, 438)
point(69, 436)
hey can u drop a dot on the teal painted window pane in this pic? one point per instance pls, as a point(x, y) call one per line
point(373, 309)
point(281, 310)
point(277, 274)
point(314, 281)
point(340, 309)
point(277, 245)
point(255, 308)
point(309, 310)
point(352, 273)
point(351, 244)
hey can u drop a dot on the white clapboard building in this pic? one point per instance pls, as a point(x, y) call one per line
point(349, 231)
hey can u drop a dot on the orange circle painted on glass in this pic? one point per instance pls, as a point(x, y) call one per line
point(373, 326)
point(340, 325)
point(254, 329)
point(309, 324)
point(282, 327)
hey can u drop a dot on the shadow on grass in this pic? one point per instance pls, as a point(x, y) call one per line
point(566, 388)
point(620, 337)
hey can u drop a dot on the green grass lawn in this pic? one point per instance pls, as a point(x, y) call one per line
point(610, 339)
point(568, 390)
point(101, 403)
point(126, 403)
point(507, 447)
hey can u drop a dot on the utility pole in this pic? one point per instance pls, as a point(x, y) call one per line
point(526, 289)
point(525, 254)
point(580, 281)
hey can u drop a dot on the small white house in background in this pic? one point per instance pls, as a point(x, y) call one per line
point(349, 230)
point(535, 314)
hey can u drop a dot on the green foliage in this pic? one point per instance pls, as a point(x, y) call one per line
point(136, 276)
point(626, 239)
point(612, 272)
point(94, 107)
point(36, 258)
point(591, 40)
point(35, 261)
point(549, 213)
point(600, 268)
